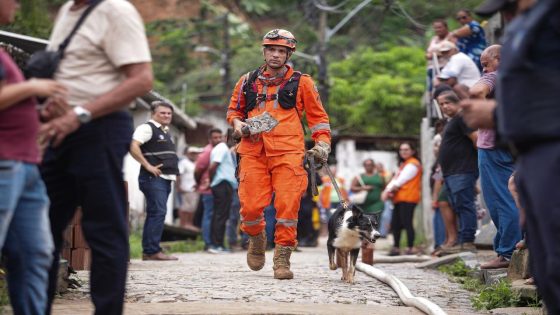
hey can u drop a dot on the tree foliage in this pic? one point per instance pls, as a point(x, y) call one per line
point(378, 92)
point(376, 62)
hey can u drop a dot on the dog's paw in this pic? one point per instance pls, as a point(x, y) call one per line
point(333, 266)
point(350, 279)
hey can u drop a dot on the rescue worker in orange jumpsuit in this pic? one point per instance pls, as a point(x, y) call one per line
point(273, 161)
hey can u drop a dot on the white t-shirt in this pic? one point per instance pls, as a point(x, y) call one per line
point(143, 133)
point(462, 67)
point(111, 36)
point(186, 169)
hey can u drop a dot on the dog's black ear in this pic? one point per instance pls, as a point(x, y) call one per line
point(356, 211)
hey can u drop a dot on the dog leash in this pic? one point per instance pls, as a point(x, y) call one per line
point(335, 185)
point(311, 166)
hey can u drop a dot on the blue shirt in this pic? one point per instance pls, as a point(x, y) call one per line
point(226, 168)
point(473, 45)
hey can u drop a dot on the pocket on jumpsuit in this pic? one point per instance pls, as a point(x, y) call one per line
point(296, 181)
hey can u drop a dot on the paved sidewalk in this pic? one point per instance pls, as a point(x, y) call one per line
point(204, 283)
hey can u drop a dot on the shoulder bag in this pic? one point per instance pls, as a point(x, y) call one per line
point(43, 63)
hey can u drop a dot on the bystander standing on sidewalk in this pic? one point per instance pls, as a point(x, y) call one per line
point(496, 166)
point(153, 147)
point(526, 116)
point(25, 236)
point(105, 67)
point(458, 160)
point(202, 177)
point(404, 190)
point(223, 183)
point(374, 183)
point(186, 187)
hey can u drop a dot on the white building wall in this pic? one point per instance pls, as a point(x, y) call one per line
point(349, 160)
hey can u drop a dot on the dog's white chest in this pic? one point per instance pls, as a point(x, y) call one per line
point(347, 238)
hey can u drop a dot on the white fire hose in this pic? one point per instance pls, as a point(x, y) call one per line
point(402, 291)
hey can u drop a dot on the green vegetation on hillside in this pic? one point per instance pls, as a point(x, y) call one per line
point(375, 61)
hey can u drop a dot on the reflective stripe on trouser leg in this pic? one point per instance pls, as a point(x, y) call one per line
point(289, 180)
point(255, 192)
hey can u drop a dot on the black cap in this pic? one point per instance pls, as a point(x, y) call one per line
point(489, 7)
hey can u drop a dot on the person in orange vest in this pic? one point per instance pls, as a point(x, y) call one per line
point(273, 161)
point(404, 190)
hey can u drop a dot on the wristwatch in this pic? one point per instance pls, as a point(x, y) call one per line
point(84, 115)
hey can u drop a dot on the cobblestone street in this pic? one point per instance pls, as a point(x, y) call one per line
point(203, 283)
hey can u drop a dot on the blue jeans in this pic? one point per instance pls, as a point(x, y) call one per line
point(233, 221)
point(208, 204)
point(439, 228)
point(270, 219)
point(25, 235)
point(461, 195)
point(384, 225)
point(156, 190)
point(496, 166)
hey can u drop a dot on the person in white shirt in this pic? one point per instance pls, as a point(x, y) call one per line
point(460, 72)
point(105, 67)
point(186, 186)
point(154, 149)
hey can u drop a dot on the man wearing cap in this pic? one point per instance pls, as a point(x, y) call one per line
point(460, 72)
point(528, 90)
point(273, 161)
point(154, 149)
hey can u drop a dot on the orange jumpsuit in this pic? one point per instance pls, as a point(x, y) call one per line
point(273, 161)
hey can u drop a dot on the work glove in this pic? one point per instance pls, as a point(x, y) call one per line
point(320, 152)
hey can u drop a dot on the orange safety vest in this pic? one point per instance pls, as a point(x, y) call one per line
point(288, 136)
point(325, 194)
point(410, 191)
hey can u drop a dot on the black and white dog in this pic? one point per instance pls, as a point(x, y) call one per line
point(347, 230)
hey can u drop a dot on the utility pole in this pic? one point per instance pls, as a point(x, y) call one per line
point(322, 78)
point(325, 35)
point(225, 59)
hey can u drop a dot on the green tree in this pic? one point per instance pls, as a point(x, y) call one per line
point(33, 18)
point(378, 92)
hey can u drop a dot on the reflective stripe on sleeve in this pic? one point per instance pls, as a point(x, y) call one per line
point(287, 222)
point(321, 126)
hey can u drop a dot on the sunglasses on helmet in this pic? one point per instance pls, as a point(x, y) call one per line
point(276, 35)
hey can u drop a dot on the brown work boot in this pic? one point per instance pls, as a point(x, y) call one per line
point(282, 262)
point(255, 252)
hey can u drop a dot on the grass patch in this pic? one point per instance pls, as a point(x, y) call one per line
point(495, 296)
point(487, 297)
point(4, 299)
point(189, 246)
point(135, 243)
point(457, 269)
